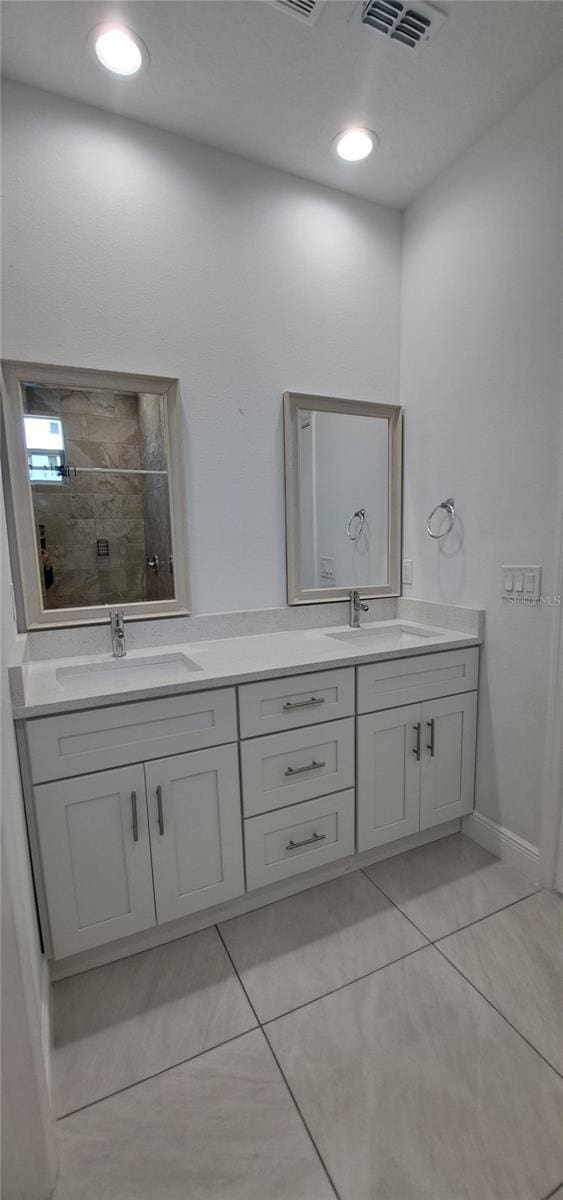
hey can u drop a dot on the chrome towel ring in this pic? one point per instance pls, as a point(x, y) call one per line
point(449, 506)
point(360, 515)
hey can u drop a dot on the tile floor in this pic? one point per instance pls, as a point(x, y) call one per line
point(396, 1034)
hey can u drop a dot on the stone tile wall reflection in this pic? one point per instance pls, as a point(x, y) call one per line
point(156, 501)
point(101, 429)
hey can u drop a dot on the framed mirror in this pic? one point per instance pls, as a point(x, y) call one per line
point(343, 465)
point(95, 499)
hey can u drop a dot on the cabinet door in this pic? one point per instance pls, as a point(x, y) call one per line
point(95, 852)
point(388, 775)
point(195, 830)
point(448, 762)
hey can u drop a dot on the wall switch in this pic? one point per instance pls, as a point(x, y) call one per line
point(328, 570)
point(521, 584)
point(407, 570)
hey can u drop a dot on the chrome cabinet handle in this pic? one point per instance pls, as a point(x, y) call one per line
point(317, 837)
point(416, 750)
point(431, 746)
point(134, 817)
point(291, 704)
point(160, 810)
point(314, 766)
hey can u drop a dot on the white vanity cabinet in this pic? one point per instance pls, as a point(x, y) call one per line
point(148, 812)
point(95, 857)
point(126, 849)
point(297, 783)
point(416, 762)
point(129, 847)
point(195, 830)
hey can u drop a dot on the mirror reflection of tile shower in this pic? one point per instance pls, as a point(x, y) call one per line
point(98, 470)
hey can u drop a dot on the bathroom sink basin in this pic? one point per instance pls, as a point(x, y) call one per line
point(383, 635)
point(128, 672)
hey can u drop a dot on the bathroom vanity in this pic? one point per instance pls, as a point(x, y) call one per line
point(171, 782)
point(175, 780)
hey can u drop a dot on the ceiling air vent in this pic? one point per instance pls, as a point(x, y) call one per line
point(412, 27)
point(305, 11)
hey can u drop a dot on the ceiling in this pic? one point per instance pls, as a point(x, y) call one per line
point(247, 77)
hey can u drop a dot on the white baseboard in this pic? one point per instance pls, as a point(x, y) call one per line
point(511, 848)
point(46, 1038)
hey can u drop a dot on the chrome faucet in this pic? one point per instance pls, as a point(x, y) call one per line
point(118, 647)
point(356, 607)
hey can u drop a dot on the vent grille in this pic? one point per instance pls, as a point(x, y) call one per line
point(306, 11)
point(411, 27)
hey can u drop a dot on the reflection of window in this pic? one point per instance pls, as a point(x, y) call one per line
point(45, 448)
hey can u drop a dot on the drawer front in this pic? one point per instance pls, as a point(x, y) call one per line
point(278, 704)
point(75, 743)
point(424, 677)
point(304, 836)
point(287, 768)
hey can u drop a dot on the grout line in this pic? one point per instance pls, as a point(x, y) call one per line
point(274, 1056)
point(499, 1011)
point(378, 888)
point(479, 920)
point(554, 1192)
point(172, 1066)
point(261, 1024)
point(349, 983)
point(290, 1090)
point(236, 971)
point(443, 936)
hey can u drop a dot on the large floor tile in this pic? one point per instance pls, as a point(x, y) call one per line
point(516, 959)
point(300, 948)
point(414, 1088)
point(222, 1127)
point(448, 884)
point(123, 1022)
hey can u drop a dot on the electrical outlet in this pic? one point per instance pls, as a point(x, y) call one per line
point(328, 567)
point(407, 570)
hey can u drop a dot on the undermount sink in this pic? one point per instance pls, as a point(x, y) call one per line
point(129, 672)
point(397, 635)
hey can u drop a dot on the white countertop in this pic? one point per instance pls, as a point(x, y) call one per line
point(69, 685)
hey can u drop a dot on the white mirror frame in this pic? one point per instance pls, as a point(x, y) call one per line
point(293, 402)
point(21, 521)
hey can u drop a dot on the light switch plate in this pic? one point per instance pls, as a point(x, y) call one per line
point(407, 570)
point(521, 584)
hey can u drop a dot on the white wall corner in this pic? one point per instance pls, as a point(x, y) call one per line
point(508, 846)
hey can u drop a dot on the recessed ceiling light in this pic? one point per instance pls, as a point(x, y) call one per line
point(354, 144)
point(119, 49)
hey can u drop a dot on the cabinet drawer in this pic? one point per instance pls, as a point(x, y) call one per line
point(401, 681)
point(301, 700)
point(281, 844)
point(75, 743)
point(287, 768)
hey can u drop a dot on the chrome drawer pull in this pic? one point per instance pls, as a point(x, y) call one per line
point(291, 704)
point(317, 837)
point(314, 766)
point(431, 746)
point(135, 819)
point(417, 729)
point(160, 811)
